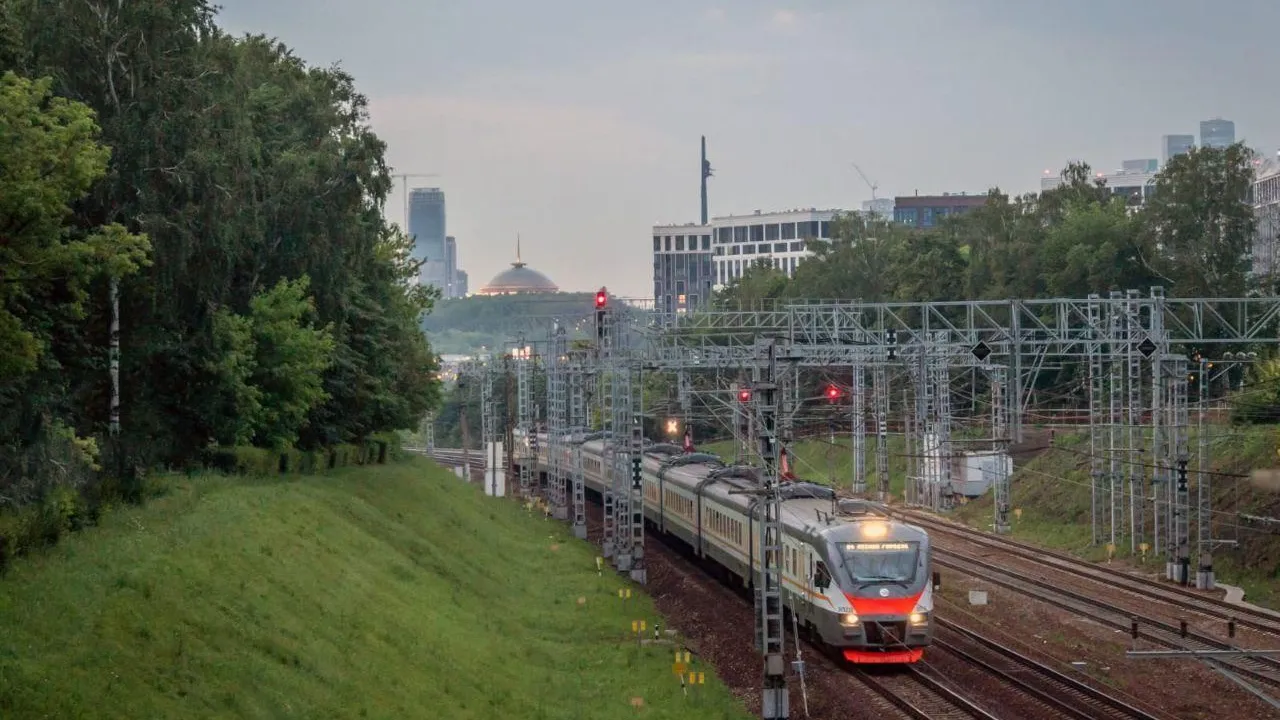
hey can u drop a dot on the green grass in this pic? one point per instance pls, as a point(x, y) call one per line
point(1052, 491)
point(386, 592)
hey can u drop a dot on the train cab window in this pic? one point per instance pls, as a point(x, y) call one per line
point(870, 563)
point(821, 576)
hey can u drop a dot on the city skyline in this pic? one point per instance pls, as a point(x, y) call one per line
point(579, 126)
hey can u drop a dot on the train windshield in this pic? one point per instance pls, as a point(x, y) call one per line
point(871, 563)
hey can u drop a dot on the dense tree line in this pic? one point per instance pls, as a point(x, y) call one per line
point(229, 198)
point(1192, 237)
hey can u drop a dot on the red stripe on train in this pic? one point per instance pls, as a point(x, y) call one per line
point(870, 657)
point(883, 606)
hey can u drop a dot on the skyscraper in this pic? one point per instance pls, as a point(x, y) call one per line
point(1217, 133)
point(450, 267)
point(427, 228)
point(1177, 145)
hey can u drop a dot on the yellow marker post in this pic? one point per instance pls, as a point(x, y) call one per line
point(599, 566)
point(1144, 547)
point(1017, 513)
point(1111, 551)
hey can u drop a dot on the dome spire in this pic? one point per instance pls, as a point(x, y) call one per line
point(518, 263)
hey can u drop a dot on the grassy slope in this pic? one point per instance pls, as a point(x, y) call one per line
point(395, 592)
point(1053, 492)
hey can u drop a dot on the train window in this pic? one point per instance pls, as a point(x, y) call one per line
point(821, 576)
point(887, 562)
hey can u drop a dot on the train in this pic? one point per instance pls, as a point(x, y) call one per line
point(854, 578)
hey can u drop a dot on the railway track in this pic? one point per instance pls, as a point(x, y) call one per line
point(921, 696)
point(1264, 670)
point(1061, 694)
point(919, 691)
point(1146, 588)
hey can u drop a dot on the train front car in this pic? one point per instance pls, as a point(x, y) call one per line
point(882, 569)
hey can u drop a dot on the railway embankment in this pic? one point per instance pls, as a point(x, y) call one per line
point(388, 591)
point(1053, 502)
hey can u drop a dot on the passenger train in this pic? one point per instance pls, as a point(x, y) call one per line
point(855, 578)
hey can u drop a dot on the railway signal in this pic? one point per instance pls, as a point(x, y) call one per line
point(602, 303)
point(744, 395)
point(833, 394)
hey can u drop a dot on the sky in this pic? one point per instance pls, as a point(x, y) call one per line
point(576, 123)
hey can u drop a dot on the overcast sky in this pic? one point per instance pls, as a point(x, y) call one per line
point(576, 122)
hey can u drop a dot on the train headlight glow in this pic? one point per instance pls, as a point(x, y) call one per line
point(849, 619)
point(919, 618)
point(874, 530)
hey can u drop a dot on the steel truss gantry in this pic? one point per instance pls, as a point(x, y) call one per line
point(1120, 342)
point(771, 401)
point(526, 417)
point(557, 421)
point(579, 422)
point(618, 374)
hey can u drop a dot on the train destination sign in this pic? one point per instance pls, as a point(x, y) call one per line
point(876, 546)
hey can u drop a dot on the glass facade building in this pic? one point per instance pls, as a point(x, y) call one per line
point(683, 274)
point(926, 211)
point(1177, 145)
point(1217, 133)
point(427, 228)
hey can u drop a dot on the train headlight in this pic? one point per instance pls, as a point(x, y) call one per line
point(874, 530)
point(849, 619)
point(918, 618)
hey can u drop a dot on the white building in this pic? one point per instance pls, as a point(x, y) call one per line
point(738, 241)
point(881, 208)
point(1135, 184)
point(1266, 203)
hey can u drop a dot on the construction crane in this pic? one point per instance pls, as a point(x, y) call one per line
point(404, 186)
point(866, 180)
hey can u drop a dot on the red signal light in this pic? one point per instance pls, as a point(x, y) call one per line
point(744, 395)
point(602, 298)
point(833, 392)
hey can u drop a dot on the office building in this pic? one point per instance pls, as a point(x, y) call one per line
point(880, 208)
point(1145, 165)
point(1176, 145)
point(1217, 133)
point(689, 261)
point(450, 265)
point(683, 273)
point(777, 238)
point(427, 228)
point(1265, 196)
point(1134, 185)
point(925, 211)
point(460, 283)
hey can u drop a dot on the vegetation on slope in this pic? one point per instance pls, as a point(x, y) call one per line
point(390, 592)
point(228, 199)
point(1052, 491)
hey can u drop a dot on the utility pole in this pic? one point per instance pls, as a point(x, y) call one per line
point(706, 173)
point(768, 393)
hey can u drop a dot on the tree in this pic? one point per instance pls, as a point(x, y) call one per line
point(1200, 223)
point(246, 169)
point(51, 159)
point(1095, 247)
point(760, 283)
